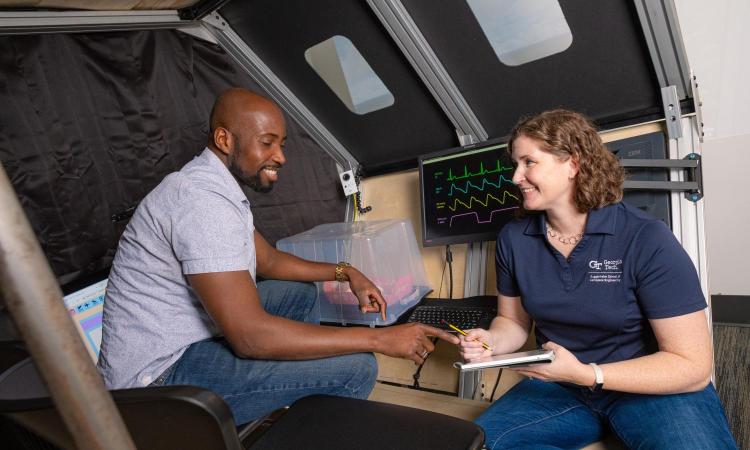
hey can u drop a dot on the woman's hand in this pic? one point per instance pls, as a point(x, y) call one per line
point(565, 367)
point(471, 347)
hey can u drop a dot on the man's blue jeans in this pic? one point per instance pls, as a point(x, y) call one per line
point(539, 415)
point(253, 388)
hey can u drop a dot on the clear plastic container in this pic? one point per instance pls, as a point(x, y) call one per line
point(384, 250)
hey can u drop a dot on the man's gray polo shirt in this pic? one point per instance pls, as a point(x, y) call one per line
point(196, 220)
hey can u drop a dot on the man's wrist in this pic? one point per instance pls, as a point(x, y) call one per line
point(341, 273)
point(376, 342)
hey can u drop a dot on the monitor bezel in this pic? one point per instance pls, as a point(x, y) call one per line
point(84, 281)
point(460, 238)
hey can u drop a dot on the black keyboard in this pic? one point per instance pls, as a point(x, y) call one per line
point(462, 317)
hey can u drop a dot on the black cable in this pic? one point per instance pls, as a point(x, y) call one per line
point(449, 260)
point(442, 276)
point(419, 369)
point(497, 381)
point(361, 210)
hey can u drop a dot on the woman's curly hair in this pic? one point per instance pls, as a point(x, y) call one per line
point(568, 134)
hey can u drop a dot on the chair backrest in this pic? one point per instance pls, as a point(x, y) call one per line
point(326, 422)
point(169, 417)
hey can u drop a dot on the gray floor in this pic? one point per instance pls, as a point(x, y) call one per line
point(732, 356)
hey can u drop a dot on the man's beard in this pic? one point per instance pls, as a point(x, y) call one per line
point(252, 181)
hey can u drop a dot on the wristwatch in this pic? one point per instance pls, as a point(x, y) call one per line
point(598, 378)
point(340, 275)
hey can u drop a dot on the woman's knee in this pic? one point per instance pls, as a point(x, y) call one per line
point(690, 420)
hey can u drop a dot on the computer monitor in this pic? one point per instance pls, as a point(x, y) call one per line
point(84, 301)
point(467, 193)
point(647, 146)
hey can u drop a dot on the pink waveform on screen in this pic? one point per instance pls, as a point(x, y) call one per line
point(476, 215)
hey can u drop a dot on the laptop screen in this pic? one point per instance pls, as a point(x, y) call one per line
point(85, 307)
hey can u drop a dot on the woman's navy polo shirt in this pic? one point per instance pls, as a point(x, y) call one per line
point(627, 268)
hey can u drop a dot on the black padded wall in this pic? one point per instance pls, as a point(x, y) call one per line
point(90, 123)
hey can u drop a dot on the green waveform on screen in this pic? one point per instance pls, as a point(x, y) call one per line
point(482, 171)
point(484, 184)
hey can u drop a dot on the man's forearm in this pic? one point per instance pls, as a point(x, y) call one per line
point(284, 339)
point(285, 266)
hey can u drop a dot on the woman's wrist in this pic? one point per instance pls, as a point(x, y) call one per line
point(587, 376)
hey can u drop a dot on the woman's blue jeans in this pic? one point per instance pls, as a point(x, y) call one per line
point(539, 415)
point(253, 388)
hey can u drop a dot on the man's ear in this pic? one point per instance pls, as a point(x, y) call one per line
point(223, 140)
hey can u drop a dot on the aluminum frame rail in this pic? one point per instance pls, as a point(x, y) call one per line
point(34, 300)
point(664, 39)
point(35, 22)
point(406, 34)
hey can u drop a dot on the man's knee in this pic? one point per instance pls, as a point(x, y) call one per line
point(291, 299)
point(364, 371)
point(302, 290)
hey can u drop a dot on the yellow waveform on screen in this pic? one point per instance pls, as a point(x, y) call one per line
point(484, 203)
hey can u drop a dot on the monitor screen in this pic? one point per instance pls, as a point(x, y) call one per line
point(467, 193)
point(85, 306)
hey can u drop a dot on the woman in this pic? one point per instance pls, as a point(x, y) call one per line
point(611, 292)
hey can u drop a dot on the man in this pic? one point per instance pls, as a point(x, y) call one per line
point(182, 304)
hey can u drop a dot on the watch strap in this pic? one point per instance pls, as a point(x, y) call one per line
point(598, 378)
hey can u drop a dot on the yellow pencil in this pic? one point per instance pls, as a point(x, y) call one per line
point(463, 332)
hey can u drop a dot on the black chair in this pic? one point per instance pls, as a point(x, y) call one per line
point(189, 417)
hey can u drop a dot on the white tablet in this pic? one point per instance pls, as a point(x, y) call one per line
point(509, 360)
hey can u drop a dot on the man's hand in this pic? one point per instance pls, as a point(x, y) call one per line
point(369, 296)
point(411, 341)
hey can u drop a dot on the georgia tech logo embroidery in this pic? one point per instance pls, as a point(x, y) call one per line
point(606, 264)
point(605, 271)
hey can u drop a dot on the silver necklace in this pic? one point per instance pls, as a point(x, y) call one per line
point(573, 239)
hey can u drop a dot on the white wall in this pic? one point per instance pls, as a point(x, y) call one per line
point(717, 37)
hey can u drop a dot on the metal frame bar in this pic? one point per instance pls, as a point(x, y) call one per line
point(201, 9)
point(662, 32)
point(672, 111)
point(236, 47)
point(475, 274)
point(475, 271)
point(468, 383)
point(34, 300)
point(661, 185)
point(409, 38)
point(35, 22)
point(688, 223)
point(661, 163)
point(692, 164)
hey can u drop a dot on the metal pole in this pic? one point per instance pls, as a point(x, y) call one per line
point(35, 303)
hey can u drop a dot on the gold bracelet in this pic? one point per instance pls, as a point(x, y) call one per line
point(340, 275)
